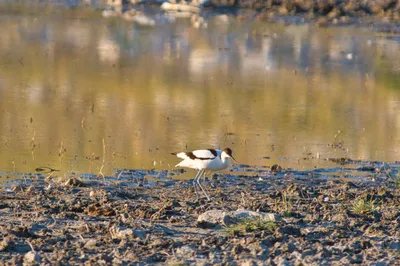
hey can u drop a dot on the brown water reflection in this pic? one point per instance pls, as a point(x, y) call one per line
point(68, 82)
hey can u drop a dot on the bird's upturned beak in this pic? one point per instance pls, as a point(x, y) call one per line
point(233, 159)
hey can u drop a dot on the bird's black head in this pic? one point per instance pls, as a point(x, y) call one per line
point(228, 151)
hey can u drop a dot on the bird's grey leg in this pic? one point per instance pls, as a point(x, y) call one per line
point(209, 182)
point(195, 184)
point(198, 182)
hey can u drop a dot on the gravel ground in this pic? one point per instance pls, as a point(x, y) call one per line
point(287, 217)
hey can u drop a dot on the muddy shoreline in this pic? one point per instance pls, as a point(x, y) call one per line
point(324, 12)
point(310, 221)
point(321, 13)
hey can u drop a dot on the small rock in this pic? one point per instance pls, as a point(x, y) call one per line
point(283, 262)
point(143, 20)
point(295, 255)
point(246, 214)
point(32, 258)
point(349, 56)
point(248, 262)
point(119, 232)
point(345, 260)
point(74, 182)
point(276, 168)
point(339, 217)
point(322, 22)
point(175, 261)
point(114, 2)
point(167, 6)
point(211, 218)
point(283, 10)
point(116, 261)
point(94, 210)
point(214, 218)
point(334, 13)
point(185, 252)
point(91, 244)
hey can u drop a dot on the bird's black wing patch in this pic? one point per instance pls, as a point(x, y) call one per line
point(211, 156)
point(191, 155)
point(214, 152)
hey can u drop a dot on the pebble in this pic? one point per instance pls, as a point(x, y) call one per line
point(32, 258)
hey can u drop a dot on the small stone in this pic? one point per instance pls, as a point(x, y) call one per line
point(295, 255)
point(119, 232)
point(74, 182)
point(322, 22)
point(116, 261)
point(32, 258)
point(283, 10)
point(283, 262)
point(276, 168)
point(246, 214)
point(214, 218)
point(175, 261)
point(91, 244)
point(211, 218)
point(334, 13)
point(340, 217)
point(185, 251)
point(349, 56)
point(248, 262)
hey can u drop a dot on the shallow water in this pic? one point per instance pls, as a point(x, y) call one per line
point(82, 93)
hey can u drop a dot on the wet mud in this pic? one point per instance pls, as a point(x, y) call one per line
point(257, 217)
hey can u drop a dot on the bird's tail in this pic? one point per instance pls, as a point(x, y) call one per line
point(181, 155)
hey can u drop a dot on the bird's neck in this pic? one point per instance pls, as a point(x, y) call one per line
point(226, 161)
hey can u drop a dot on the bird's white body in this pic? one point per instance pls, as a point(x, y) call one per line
point(202, 160)
point(205, 159)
